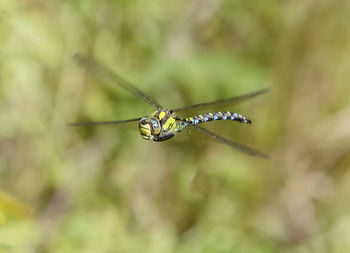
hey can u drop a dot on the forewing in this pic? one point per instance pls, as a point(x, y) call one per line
point(102, 72)
point(102, 122)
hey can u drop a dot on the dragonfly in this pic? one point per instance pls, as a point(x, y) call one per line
point(164, 124)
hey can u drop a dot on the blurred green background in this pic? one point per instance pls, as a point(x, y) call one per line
point(105, 189)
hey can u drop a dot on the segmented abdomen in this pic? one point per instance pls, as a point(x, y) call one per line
point(210, 116)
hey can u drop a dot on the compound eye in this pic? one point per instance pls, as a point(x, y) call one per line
point(155, 125)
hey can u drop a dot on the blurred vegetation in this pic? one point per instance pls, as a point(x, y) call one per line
point(105, 189)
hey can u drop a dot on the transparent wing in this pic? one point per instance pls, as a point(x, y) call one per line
point(234, 145)
point(102, 72)
point(102, 122)
point(224, 101)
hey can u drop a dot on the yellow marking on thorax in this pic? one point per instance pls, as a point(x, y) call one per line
point(161, 115)
point(201, 116)
point(170, 124)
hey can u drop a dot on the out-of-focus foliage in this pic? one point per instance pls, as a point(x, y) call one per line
point(105, 189)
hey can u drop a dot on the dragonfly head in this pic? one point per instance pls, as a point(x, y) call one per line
point(149, 127)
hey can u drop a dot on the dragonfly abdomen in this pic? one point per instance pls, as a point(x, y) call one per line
point(211, 116)
point(217, 116)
